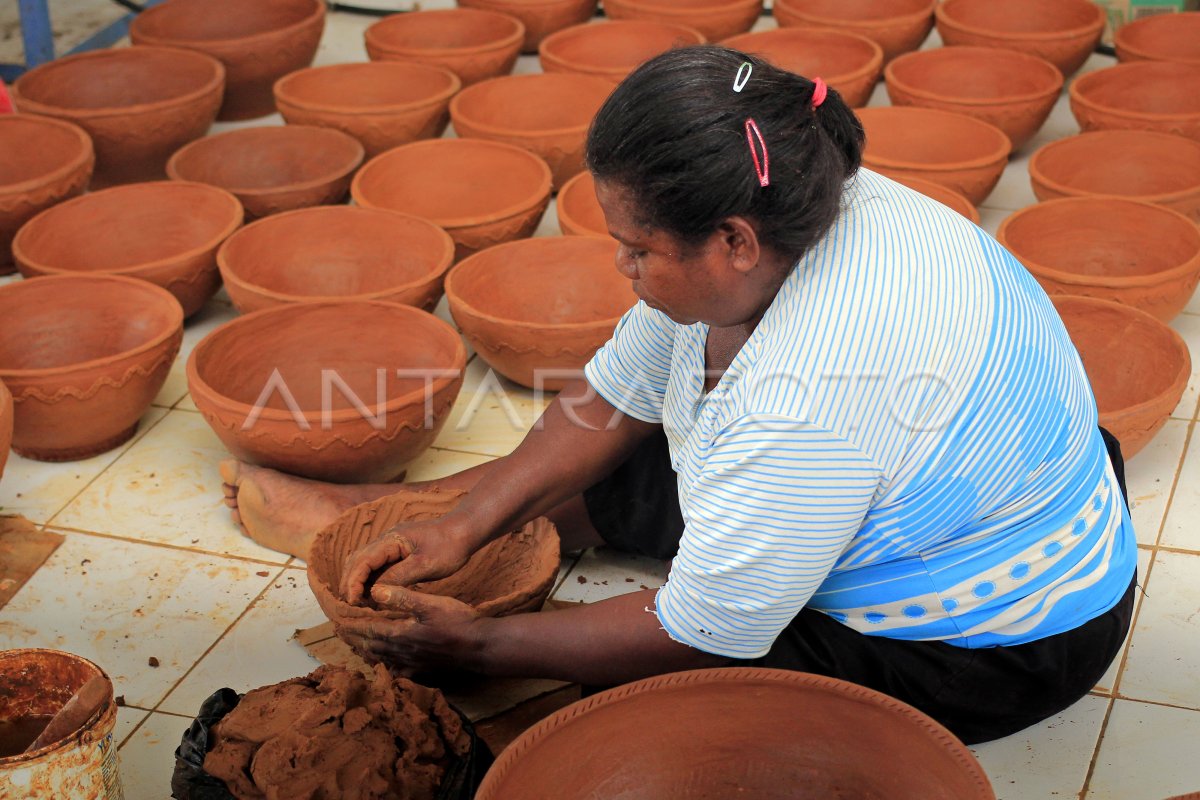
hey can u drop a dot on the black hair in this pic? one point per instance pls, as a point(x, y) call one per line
point(674, 135)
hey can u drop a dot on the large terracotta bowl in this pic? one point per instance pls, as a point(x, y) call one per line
point(481, 192)
point(897, 26)
point(1136, 253)
point(297, 388)
point(537, 310)
point(540, 17)
point(1161, 96)
point(84, 356)
point(472, 43)
point(1161, 37)
point(546, 114)
point(1142, 165)
point(510, 575)
point(382, 104)
point(166, 232)
point(273, 168)
point(138, 104)
point(1138, 366)
point(848, 62)
point(1064, 32)
point(1013, 91)
point(769, 734)
point(6, 425)
point(258, 42)
point(715, 19)
point(336, 253)
point(579, 212)
point(960, 152)
point(947, 197)
point(612, 50)
point(43, 161)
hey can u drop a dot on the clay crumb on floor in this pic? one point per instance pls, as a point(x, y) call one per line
point(581, 579)
point(152, 661)
point(262, 573)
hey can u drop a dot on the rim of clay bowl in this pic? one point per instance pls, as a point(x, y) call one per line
point(565, 192)
point(932, 189)
point(1121, 39)
point(873, 65)
point(671, 9)
point(943, 16)
point(214, 84)
point(529, 4)
point(799, 9)
point(1045, 151)
point(460, 222)
point(312, 183)
point(512, 80)
point(86, 153)
point(282, 89)
point(133, 284)
point(252, 40)
point(570, 33)
point(1077, 87)
point(1189, 265)
point(230, 274)
point(237, 217)
point(441, 327)
point(514, 39)
point(1001, 153)
point(1056, 77)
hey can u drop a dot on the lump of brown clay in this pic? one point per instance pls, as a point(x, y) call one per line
point(897, 26)
point(337, 734)
point(1160, 37)
point(474, 44)
point(612, 50)
point(947, 197)
point(540, 17)
point(715, 19)
point(848, 62)
point(1063, 32)
point(579, 212)
point(1161, 96)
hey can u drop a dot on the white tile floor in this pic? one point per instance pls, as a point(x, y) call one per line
point(153, 567)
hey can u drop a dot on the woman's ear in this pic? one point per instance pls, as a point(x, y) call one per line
point(741, 242)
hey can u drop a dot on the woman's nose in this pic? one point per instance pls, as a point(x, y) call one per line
point(626, 263)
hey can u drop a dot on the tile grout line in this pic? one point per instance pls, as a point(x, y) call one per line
point(1087, 778)
point(165, 545)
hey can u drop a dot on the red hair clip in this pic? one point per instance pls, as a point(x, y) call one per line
point(761, 169)
point(819, 92)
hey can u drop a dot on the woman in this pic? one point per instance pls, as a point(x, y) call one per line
point(855, 423)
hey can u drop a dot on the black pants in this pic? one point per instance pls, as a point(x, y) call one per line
point(979, 694)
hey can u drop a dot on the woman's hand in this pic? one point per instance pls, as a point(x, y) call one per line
point(439, 631)
point(410, 553)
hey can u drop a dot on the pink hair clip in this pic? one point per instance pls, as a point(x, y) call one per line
point(819, 92)
point(761, 169)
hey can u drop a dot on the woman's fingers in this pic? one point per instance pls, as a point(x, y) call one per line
point(367, 560)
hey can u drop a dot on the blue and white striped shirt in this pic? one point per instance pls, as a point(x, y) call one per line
point(907, 442)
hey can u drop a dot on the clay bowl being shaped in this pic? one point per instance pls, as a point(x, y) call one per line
point(382, 104)
point(537, 310)
point(1063, 32)
point(336, 253)
point(960, 152)
point(716, 733)
point(1161, 37)
point(481, 192)
point(897, 26)
point(258, 42)
point(165, 232)
point(1011, 90)
point(1161, 96)
point(274, 168)
point(83, 355)
point(579, 212)
point(715, 19)
point(546, 114)
point(1138, 366)
point(138, 104)
point(472, 43)
point(43, 161)
point(947, 197)
point(510, 575)
point(347, 392)
point(6, 425)
point(612, 49)
point(1142, 165)
point(849, 63)
point(1113, 248)
point(540, 17)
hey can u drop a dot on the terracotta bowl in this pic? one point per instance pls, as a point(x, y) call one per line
point(1138, 366)
point(138, 104)
point(166, 232)
point(947, 197)
point(258, 42)
point(959, 152)
point(537, 310)
point(1142, 165)
point(1135, 253)
point(84, 355)
point(849, 63)
point(540, 17)
point(274, 168)
point(717, 733)
point(715, 19)
point(612, 49)
point(259, 380)
point(382, 104)
point(1064, 32)
point(43, 161)
point(336, 253)
point(510, 575)
point(6, 425)
point(548, 115)
point(1161, 96)
point(1161, 37)
point(1011, 90)
point(472, 43)
point(481, 192)
point(897, 26)
point(579, 212)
